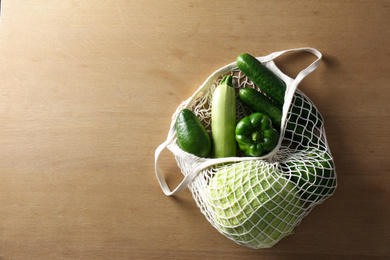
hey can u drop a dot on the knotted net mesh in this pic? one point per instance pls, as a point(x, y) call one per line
point(257, 201)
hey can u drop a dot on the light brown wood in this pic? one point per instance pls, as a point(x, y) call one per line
point(87, 92)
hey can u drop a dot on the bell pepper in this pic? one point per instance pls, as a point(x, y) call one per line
point(256, 135)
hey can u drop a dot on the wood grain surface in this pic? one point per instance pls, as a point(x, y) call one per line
point(87, 91)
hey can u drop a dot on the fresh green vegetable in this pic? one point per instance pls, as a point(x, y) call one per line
point(192, 136)
point(223, 119)
point(253, 203)
point(255, 135)
point(258, 102)
point(300, 106)
point(314, 175)
point(301, 135)
point(273, 86)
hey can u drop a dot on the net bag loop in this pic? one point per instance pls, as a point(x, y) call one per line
point(256, 201)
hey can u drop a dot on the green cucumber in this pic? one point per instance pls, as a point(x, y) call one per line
point(223, 119)
point(301, 135)
point(258, 102)
point(306, 111)
point(192, 136)
point(315, 176)
point(269, 83)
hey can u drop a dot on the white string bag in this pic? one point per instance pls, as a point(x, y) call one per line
point(256, 201)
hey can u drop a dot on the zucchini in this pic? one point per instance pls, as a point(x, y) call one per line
point(258, 102)
point(269, 83)
point(223, 119)
point(192, 136)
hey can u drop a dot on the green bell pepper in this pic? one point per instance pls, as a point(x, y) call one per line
point(256, 135)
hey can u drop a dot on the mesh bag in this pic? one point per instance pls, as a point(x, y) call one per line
point(256, 201)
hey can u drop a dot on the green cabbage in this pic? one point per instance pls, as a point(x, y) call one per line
point(253, 204)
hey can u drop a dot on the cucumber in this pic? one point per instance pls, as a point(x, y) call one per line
point(302, 136)
point(192, 136)
point(223, 119)
point(258, 102)
point(269, 83)
point(306, 111)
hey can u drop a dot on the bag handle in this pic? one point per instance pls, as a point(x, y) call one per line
point(210, 162)
point(303, 73)
point(292, 86)
point(188, 178)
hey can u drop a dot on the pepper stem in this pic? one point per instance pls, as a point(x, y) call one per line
point(257, 136)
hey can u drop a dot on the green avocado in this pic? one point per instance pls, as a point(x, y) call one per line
point(192, 136)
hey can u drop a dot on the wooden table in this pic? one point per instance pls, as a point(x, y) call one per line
point(87, 92)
